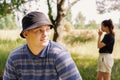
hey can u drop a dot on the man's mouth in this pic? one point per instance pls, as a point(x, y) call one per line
point(44, 40)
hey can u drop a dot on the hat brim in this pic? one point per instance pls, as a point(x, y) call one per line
point(35, 26)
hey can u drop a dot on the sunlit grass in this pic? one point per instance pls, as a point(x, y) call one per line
point(3, 57)
point(5, 47)
point(87, 66)
point(84, 49)
point(9, 34)
point(85, 55)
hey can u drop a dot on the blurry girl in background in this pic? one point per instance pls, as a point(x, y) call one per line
point(105, 60)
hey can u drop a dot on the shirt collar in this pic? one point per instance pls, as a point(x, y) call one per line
point(42, 54)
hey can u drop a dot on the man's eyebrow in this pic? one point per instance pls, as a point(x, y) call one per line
point(37, 28)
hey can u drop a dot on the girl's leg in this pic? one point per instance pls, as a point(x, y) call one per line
point(99, 76)
point(107, 76)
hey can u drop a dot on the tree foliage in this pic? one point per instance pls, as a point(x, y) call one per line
point(9, 6)
point(8, 22)
point(119, 24)
point(92, 25)
point(69, 16)
point(107, 5)
point(80, 21)
point(60, 17)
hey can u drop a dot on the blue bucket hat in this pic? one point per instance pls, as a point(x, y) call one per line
point(33, 20)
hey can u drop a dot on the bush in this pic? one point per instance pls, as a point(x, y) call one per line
point(68, 26)
point(78, 36)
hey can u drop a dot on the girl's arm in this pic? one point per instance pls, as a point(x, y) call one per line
point(100, 44)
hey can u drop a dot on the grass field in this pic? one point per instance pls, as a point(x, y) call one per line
point(84, 54)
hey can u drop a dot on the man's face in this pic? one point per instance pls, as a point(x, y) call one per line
point(38, 36)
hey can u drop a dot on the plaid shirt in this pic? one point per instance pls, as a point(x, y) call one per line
point(53, 63)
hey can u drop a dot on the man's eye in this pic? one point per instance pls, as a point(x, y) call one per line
point(39, 30)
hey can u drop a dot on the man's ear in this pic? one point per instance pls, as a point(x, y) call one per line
point(25, 34)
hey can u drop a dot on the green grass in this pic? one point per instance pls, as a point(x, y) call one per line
point(86, 60)
point(84, 54)
point(3, 57)
point(87, 66)
point(5, 47)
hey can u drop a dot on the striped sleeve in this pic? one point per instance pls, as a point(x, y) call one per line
point(66, 67)
point(10, 72)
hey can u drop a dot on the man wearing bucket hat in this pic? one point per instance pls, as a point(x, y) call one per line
point(40, 58)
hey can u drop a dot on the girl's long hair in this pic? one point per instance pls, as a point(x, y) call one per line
point(109, 24)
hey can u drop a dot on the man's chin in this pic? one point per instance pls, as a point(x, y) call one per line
point(45, 43)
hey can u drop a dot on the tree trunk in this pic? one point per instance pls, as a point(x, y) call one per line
point(59, 21)
point(59, 29)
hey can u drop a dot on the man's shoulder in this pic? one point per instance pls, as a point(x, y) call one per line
point(57, 47)
point(17, 51)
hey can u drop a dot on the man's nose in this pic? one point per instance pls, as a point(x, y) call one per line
point(45, 33)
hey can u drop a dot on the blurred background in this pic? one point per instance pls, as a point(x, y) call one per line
point(76, 25)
